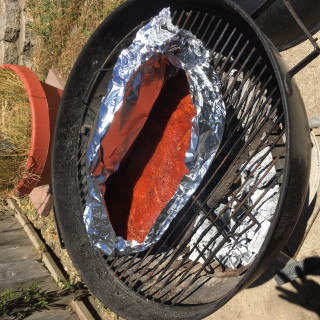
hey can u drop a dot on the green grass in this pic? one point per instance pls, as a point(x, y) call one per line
point(22, 303)
point(62, 28)
point(5, 298)
point(66, 284)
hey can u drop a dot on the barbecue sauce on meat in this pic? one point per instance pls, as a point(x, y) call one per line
point(150, 174)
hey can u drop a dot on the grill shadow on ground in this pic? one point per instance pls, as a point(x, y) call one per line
point(305, 291)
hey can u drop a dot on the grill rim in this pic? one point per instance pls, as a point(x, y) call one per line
point(62, 203)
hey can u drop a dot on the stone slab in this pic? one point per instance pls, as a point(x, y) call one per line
point(13, 236)
point(42, 199)
point(13, 273)
point(8, 224)
point(15, 253)
point(55, 79)
point(81, 310)
point(53, 315)
point(55, 272)
point(24, 222)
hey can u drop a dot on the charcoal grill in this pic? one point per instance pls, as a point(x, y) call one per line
point(264, 110)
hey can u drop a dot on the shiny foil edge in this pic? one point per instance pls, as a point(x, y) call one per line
point(158, 36)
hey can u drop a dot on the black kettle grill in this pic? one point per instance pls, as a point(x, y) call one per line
point(264, 109)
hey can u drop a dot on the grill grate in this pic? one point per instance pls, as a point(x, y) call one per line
point(165, 273)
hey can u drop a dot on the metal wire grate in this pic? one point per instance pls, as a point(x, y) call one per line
point(173, 271)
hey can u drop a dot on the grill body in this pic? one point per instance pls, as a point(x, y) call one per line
point(149, 285)
point(277, 23)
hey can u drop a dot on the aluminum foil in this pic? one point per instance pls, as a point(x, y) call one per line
point(184, 51)
point(241, 250)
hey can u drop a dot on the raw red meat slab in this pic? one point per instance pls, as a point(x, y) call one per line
point(150, 174)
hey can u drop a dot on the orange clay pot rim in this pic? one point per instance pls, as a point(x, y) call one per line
point(40, 136)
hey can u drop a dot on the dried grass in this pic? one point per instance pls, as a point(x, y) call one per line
point(15, 130)
point(91, 14)
point(62, 28)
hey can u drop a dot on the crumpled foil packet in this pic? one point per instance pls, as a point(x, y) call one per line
point(241, 250)
point(184, 51)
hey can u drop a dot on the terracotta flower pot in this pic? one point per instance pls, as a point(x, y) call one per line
point(44, 104)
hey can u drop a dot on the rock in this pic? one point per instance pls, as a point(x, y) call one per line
point(10, 20)
point(16, 40)
point(26, 39)
point(25, 60)
point(8, 53)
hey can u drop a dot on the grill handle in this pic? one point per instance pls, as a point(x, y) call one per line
point(305, 61)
